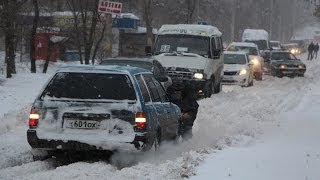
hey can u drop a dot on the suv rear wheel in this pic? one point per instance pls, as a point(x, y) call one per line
point(218, 88)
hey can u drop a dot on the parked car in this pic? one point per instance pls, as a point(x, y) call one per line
point(283, 63)
point(253, 51)
point(237, 69)
point(107, 108)
point(150, 64)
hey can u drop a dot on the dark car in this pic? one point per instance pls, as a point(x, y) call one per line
point(150, 64)
point(107, 108)
point(281, 63)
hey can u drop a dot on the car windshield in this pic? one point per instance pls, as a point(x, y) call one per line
point(262, 44)
point(183, 43)
point(234, 59)
point(275, 44)
point(283, 56)
point(248, 50)
point(90, 86)
point(140, 64)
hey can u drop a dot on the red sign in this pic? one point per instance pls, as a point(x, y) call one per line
point(110, 7)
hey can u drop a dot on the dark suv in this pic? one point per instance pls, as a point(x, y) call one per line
point(109, 108)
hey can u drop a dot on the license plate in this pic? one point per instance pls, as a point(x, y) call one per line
point(82, 124)
point(228, 78)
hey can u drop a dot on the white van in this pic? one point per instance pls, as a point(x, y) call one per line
point(192, 53)
point(258, 36)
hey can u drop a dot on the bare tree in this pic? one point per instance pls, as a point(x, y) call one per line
point(33, 35)
point(86, 18)
point(9, 10)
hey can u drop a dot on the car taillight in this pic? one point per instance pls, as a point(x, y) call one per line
point(33, 118)
point(141, 120)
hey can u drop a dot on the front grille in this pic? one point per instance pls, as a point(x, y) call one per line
point(180, 74)
point(230, 73)
point(292, 66)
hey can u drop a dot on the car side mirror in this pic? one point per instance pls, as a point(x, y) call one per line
point(148, 50)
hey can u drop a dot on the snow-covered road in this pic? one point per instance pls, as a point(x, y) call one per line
point(267, 131)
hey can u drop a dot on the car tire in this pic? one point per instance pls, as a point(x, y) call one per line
point(40, 155)
point(218, 88)
point(250, 83)
point(258, 76)
point(209, 88)
point(156, 142)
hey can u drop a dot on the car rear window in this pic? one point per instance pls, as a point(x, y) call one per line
point(90, 86)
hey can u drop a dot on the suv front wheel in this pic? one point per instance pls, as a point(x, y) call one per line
point(209, 88)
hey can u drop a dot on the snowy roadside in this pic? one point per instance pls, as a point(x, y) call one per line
point(289, 150)
point(235, 117)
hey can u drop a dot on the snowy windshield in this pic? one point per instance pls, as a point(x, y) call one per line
point(90, 86)
point(234, 59)
point(275, 44)
point(262, 44)
point(183, 43)
point(283, 56)
point(248, 50)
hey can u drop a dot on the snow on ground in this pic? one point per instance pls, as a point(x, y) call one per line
point(230, 127)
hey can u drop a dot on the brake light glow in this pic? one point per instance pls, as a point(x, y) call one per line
point(33, 118)
point(141, 120)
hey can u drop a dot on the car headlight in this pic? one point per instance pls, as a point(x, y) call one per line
point(283, 66)
point(293, 51)
point(255, 61)
point(198, 75)
point(243, 72)
point(301, 66)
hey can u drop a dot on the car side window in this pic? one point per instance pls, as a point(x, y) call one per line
point(152, 88)
point(161, 91)
point(143, 88)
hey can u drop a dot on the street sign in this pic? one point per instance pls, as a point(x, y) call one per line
point(110, 7)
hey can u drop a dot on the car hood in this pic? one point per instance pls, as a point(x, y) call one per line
point(185, 60)
point(234, 67)
point(295, 62)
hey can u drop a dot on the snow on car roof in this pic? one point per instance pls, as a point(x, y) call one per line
point(235, 52)
point(243, 44)
point(147, 60)
point(191, 29)
point(255, 34)
point(103, 69)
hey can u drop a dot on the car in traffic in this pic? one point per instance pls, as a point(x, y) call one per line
point(238, 69)
point(101, 108)
point(282, 63)
point(191, 53)
point(275, 45)
point(253, 51)
point(147, 63)
point(293, 48)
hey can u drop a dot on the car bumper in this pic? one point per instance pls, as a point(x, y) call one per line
point(46, 144)
point(291, 71)
point(235, 80)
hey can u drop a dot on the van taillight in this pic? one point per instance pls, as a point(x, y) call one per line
point(141, 120)
point(33, 118)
